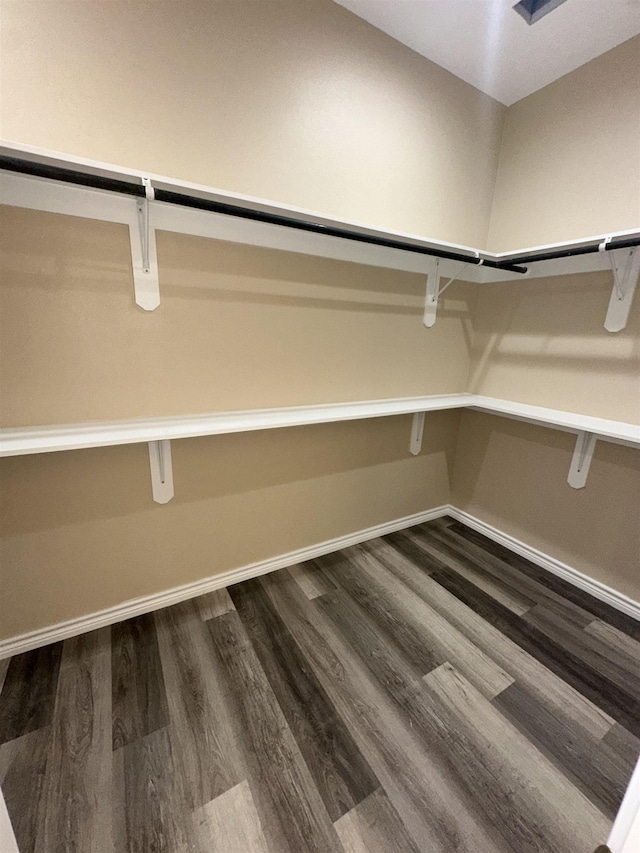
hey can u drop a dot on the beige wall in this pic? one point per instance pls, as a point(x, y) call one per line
point(298, 101)
point(513, 476)
point(305, 104)
point(81, 533)
point(570, 156)
point(238, 327)
point(544, 342)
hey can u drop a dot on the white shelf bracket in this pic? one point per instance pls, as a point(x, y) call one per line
point(417, 428)
point(161, 471)
point(434, 291)
point(625, 265)
point(431, 297)
point(143, 253)
point(581, 460)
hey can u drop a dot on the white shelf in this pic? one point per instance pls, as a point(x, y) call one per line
point(46, 439)
point(43, 194)
point(616, 431)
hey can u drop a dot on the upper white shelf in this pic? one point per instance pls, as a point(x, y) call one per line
point(45, 439)
point(76, 199)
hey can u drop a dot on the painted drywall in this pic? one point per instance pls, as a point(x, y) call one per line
point(543, 342)
point(238, 327)
point(80, 532)
point(570, 156)
point(299, 102)
point(514, 476)
point(304, 104)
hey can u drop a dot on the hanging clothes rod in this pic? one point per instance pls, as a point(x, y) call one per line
point(510, 262)
point(58, 173)
point(588, 249)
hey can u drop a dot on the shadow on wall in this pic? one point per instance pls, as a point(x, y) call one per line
point(238, 328)
point(544, 342)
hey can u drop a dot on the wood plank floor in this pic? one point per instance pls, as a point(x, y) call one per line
point(426, 692)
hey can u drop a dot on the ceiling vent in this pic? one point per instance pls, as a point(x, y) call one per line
point(533, 10)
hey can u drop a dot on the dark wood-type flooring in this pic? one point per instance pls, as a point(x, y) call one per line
point(426, 692)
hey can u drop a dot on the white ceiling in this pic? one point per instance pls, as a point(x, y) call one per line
point(488, 44)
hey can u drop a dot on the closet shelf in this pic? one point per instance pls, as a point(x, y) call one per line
point(47, 180)
point(44, 439)
point(619, 432)
point(18, 441)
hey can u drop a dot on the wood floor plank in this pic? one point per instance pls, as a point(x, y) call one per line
point(616, 666)
point(534, 804)
point(4, 666)
point(214, 604)
point(340, 772)
point(77, 788)
point(503, 571)
point(417, 782)
point(571, 593)
point(148, 802)
point(204, 750)
point(23, 765)
point(8, 842)
point(230, 823)
point(444, 640)
point(411, 549)
point(625, 745)
point(310, 579)
point(549, 689)
point(620, 645)
point(620, 704)
point(29, 691)
point(374, 827)
point(595, 766)
point(138, 694)
point(453, 556)
point(292, 813)
point(401, 629)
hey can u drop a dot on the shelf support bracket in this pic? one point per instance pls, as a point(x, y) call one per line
point(431, 297)
point(434, 291)
point(417, 428)
point(625, 265)
point(161, 471)
point(143, 253)
point(581, 460)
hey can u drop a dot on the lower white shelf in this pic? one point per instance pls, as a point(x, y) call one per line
point(158, 432)
point(18, 441)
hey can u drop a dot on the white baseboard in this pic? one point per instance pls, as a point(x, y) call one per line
point(568, 573)
point(147, 603)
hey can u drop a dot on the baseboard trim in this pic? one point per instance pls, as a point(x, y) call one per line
point(568, 573)
point(148, 603)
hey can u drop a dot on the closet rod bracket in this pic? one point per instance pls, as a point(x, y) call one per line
point(161, 471)
point(581, 460)
point(434, 291)
point(143, 253)
point(625, 266)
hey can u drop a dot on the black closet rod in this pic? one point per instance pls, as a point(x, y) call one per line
point(58, 173)
point(592, 248)
point(509, 264)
